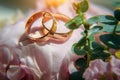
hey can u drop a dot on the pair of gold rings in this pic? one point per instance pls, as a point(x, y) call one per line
point(47, 34)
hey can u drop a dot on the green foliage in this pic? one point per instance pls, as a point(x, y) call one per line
point(104, 19)
point(118, 28)
point(97, 47)
point(108, 22)
point(87, 46)
point(74, 23)
point(110, 28)
point(94, 30)
point(81, 64)
point(99, 51)
point(79, 48)
point(112, 41)
point(81, 7)
point(100, 55)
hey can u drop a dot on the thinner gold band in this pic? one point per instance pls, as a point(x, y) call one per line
point(47, 34)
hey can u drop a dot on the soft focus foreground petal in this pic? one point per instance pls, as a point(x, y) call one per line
point(8, 56)
point(42, 59)
point(5, 58)
point(5, 55)
point(21, 73)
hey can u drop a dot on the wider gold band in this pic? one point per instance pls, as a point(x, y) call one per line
point(47, 34)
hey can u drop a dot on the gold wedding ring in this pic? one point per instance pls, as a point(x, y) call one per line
point(47, 34)
point(32, 19)
point(58, 37)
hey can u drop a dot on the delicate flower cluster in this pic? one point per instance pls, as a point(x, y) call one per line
point(100, 70)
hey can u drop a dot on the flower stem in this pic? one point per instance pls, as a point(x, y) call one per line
point(89, 47)
point(116, 26)
point(86, 27)
point(89, 52)
point(88, 59)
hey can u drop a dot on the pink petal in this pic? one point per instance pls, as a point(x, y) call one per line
point(96, 68)
point(42, 58)
point(21, 73)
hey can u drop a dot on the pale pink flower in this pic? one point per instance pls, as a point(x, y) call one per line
point(115, 65)
point(99, 70)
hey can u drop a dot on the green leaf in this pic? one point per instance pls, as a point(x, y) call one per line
point(112, 41)
point(110, 28)
point(79, 50)
point(105, 19)
point(97, 47)
point(74, 23)
point(82, 41)
point(99, 51)
point(94, 30)
point(117, 14)
point(81, 64)
point(118, 28)
point(91, 38)
point(76, 76)
point(83, 6)
point(100, 55)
